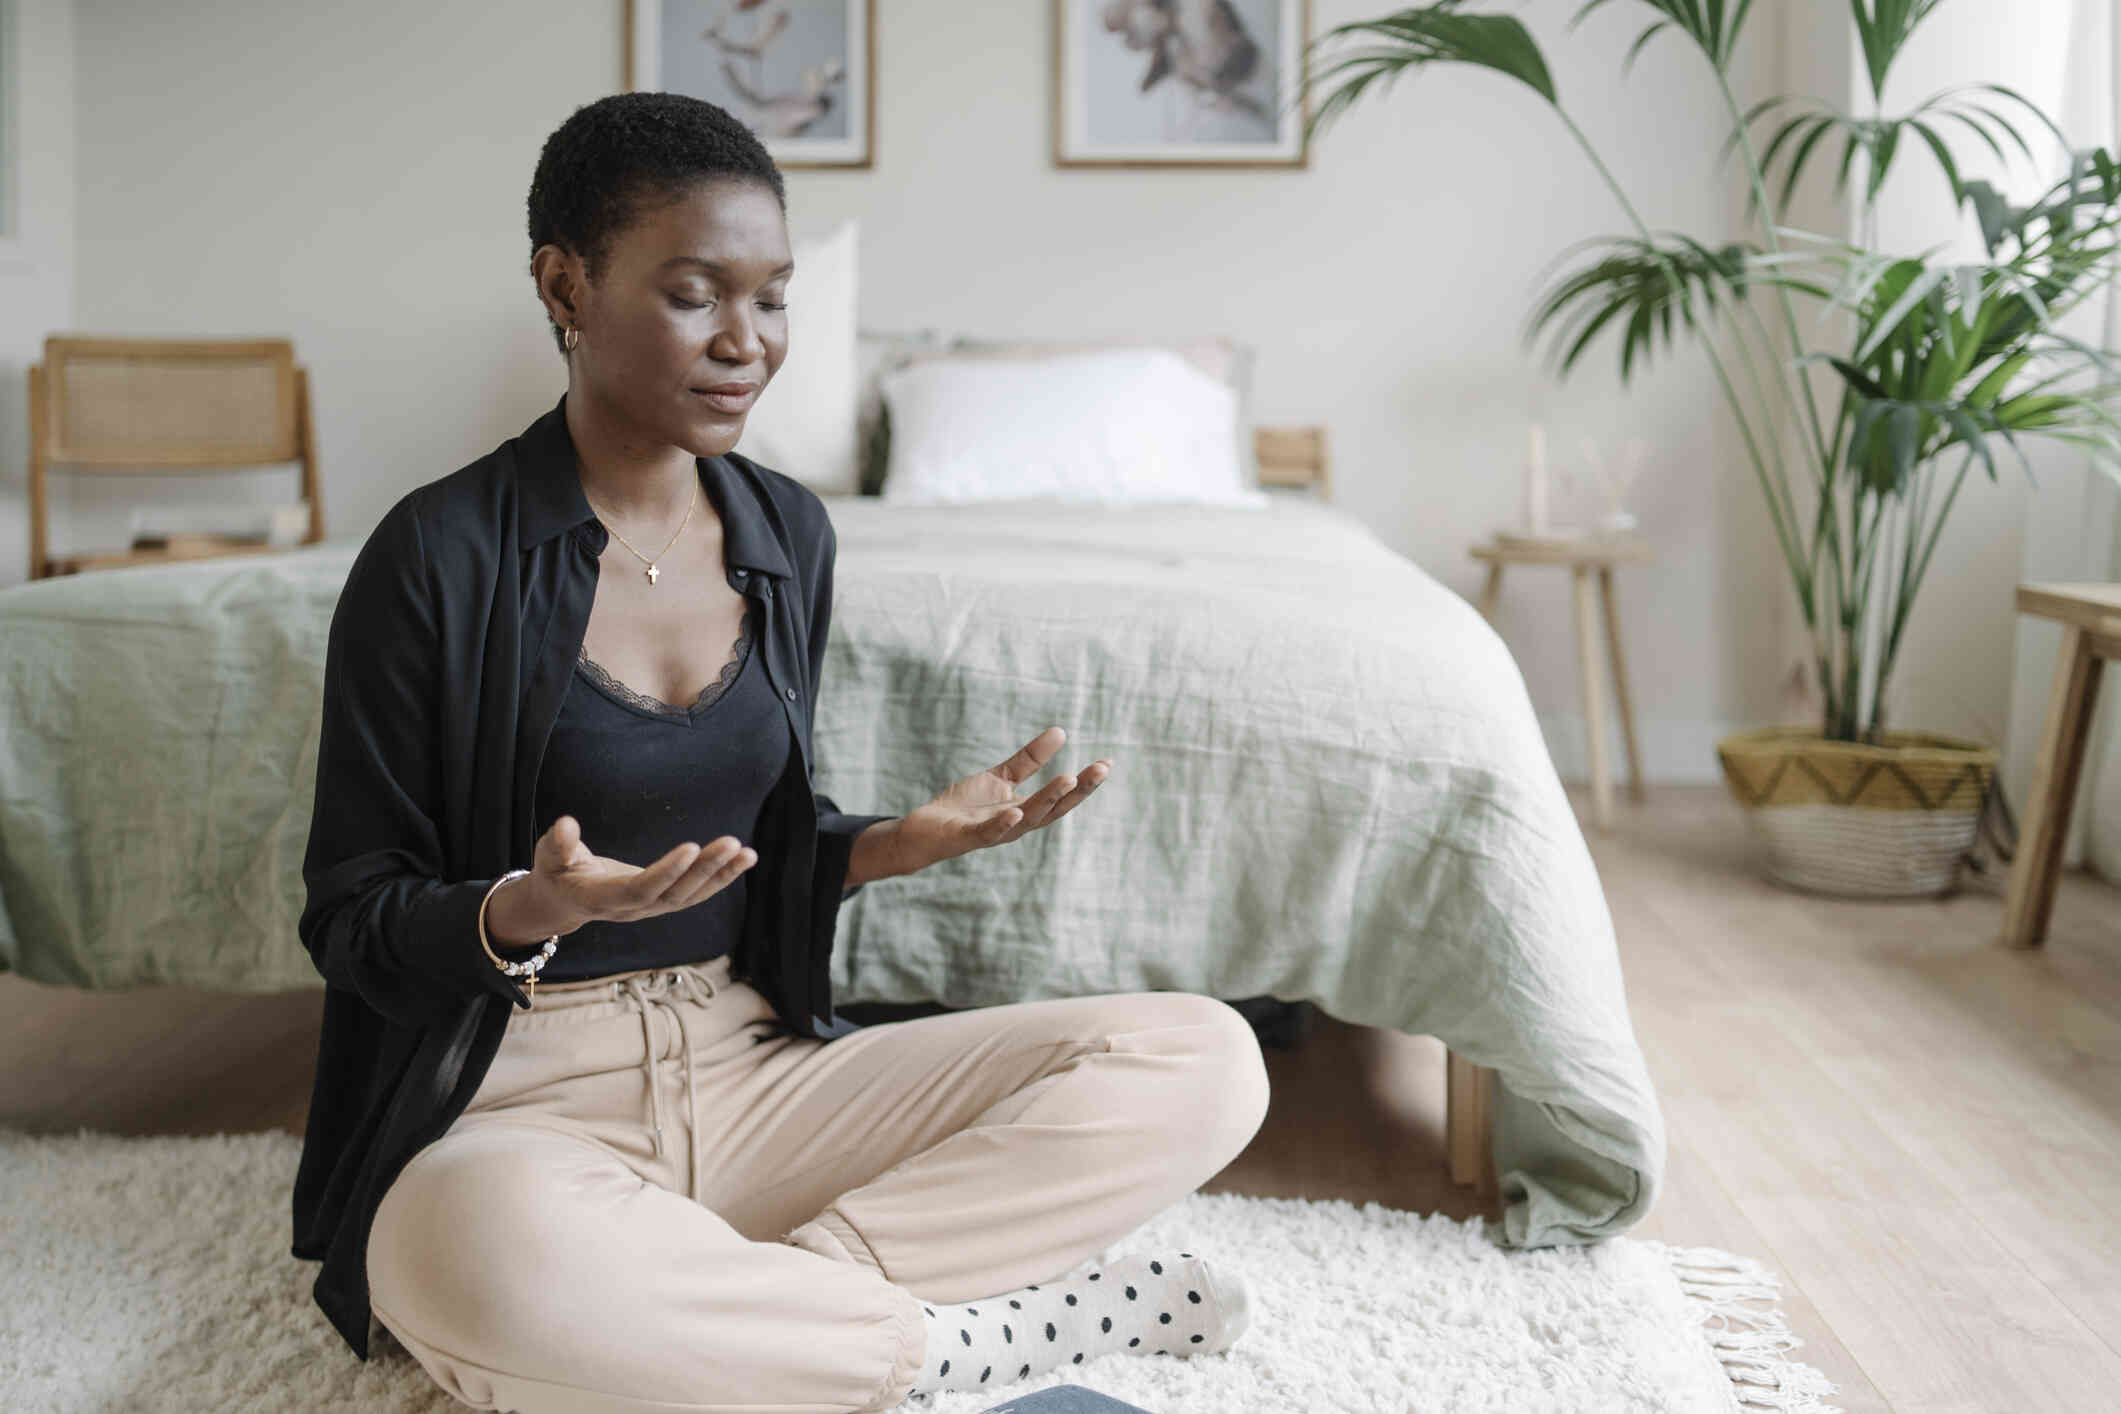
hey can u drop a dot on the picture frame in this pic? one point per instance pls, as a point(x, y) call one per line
point(1137, 83)
point(799, 73)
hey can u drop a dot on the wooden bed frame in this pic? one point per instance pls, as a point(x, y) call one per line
point(1295, 457)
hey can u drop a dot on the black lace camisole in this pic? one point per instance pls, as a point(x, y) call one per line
point(643, 776)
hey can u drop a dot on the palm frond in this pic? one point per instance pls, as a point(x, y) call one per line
point(1746, 121)
point(1884, 26)
point(1413, 39)
point(1660, 290)
point(1881, 138)
point(1713, 25)
point(1905, 283)
point(1641, 41)
point(1956, 355)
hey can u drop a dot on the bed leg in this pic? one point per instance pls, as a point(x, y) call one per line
point(1469, 1123)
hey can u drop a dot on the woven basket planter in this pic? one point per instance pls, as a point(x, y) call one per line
point(1857, 821)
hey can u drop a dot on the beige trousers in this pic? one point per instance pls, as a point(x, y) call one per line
point(662, 1199)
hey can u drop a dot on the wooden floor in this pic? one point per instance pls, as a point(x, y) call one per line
point(1920, 1131)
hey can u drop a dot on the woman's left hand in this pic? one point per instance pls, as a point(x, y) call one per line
point(984, 809)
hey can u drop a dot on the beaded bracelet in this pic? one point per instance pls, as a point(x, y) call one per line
point(526, 968)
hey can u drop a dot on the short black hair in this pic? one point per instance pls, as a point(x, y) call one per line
point(627, 150)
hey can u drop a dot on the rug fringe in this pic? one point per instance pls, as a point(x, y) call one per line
point(1753, 1343)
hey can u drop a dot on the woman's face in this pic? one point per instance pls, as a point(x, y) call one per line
point(693, 294)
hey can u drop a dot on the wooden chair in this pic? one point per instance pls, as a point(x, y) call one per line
point(160, 405)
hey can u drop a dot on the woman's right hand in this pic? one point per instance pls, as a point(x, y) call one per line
point(568, 885)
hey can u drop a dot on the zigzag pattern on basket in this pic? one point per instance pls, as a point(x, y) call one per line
point(1875, 784)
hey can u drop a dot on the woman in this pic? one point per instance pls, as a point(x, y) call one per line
point(583, 1135)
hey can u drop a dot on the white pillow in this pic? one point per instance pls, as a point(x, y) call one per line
point(1221, 357)
point(803, 424)
point(1116, 427)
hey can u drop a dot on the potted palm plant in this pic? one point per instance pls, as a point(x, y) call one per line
point(1941, 362)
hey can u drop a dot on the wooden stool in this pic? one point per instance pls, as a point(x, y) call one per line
point(2090, 615)
point(1582, 557)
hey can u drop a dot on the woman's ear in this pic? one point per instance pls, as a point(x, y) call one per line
point(558, 274)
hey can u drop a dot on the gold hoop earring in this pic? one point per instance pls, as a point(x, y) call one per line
point(572, 337)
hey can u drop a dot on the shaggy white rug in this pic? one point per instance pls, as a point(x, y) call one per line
point(153, 1274)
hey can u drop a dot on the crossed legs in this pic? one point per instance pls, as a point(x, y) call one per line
point(542, 1255)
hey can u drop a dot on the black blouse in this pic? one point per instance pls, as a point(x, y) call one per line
point(450, 650)
point(642, 776)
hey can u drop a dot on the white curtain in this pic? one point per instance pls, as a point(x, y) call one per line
point(2072, 529)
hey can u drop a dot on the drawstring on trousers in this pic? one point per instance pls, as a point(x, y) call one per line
point(650, 992)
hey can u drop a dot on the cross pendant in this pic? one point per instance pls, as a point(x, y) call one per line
point(652, 573)
point(530, 989)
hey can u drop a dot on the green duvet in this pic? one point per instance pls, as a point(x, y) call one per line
point(1328, 784)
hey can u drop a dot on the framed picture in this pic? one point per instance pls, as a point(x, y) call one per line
point(799, 73)
point(1180, 83)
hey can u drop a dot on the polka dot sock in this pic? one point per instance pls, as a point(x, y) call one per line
point(1139, 1305)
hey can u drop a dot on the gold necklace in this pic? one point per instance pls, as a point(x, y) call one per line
point(652, 570)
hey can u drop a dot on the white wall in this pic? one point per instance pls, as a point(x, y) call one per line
point(354, 177)
point(1385, 288)
point(37, 265)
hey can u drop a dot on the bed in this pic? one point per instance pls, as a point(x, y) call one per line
point(1328, 786)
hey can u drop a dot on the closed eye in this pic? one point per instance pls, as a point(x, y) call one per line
point(688, 304)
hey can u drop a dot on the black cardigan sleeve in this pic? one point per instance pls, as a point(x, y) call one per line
point(380, 920)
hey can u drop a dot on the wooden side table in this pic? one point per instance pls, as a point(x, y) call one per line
point(1599, 554)
point(2090, 615)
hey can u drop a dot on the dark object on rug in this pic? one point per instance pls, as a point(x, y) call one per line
point(1277, 1023)
point(1066, 1399)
